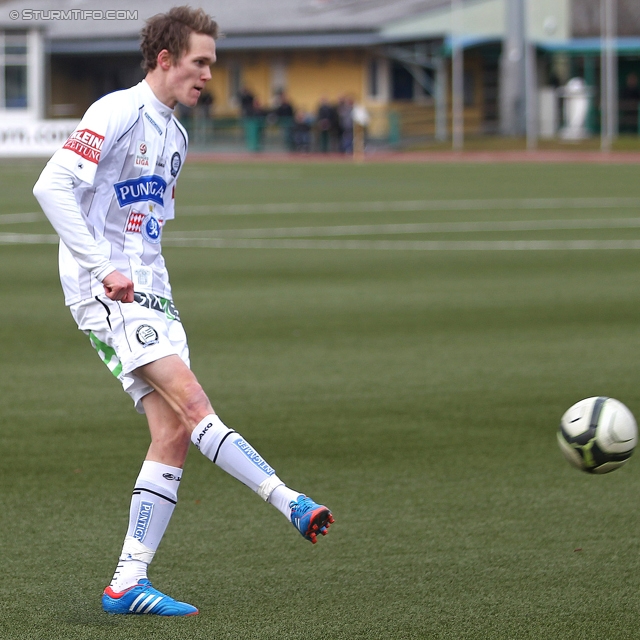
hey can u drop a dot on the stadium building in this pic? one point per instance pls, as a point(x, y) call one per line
point(394, 57)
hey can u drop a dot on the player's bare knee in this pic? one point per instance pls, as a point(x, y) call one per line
point(196, 404)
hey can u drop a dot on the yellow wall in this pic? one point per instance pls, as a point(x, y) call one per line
point(310, 77)
point(218, 87)
point(256, 76)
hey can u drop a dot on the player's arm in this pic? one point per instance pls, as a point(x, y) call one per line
point(54, 192)
point(75, 163)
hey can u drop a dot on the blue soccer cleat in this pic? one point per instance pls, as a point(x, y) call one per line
point(310, 518)
point(143, 598)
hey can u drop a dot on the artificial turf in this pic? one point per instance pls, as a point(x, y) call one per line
point(417, 393)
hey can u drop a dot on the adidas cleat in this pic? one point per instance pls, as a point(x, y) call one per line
point(143, 598)
point(310, 518)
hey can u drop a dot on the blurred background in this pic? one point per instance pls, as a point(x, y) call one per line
point(298, 75)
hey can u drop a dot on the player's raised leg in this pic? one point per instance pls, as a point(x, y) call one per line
point(228, 449)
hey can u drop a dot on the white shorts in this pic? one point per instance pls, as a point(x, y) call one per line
point(127, 336)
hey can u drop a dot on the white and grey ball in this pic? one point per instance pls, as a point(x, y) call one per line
point(598, 434)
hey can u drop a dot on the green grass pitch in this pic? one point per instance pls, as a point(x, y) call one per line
point(415, 388)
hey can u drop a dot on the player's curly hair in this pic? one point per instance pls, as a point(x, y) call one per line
point(171, 31)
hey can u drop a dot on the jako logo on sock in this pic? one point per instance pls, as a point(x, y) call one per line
point(254, 456)
point(201, 435)
point(144, 517)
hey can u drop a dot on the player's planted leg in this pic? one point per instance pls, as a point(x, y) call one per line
point(152, 504)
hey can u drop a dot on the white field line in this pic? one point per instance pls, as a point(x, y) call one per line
point(28, 238)
point(411, 205)
point(407, 245)
point(426, 227)
point(17, 218)
point(385, 245)
point(261, 238)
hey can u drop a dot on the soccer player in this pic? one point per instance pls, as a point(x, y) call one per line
point(108, 193)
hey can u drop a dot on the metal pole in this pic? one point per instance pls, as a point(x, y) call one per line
point(608, 74)
point(458, 75)
point(531, 84)
point(531, 96)
point(441, 100)
point(612, 70)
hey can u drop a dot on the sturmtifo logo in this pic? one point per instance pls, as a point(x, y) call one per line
point(254, 456)
point(146, 335)
point(142, 523)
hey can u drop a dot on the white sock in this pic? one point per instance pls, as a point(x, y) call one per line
point(281, 497)
point(152, 503)
point(231, 452)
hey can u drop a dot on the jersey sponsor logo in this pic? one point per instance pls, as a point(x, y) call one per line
point(254, 456)
point(142, 154)
point(142, 189)
point(146, 335)
point(85, 143)
point(176, 162)
point(154, 124)
point(144, 518)
point(158, 303)
point(151, 229)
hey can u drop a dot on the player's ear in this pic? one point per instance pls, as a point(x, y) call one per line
point(165, 60)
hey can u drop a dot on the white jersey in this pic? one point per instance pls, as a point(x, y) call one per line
point(125, 157)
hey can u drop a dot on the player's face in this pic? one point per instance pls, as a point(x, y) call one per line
point(189, 74)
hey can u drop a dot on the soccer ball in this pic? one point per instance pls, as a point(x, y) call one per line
point(597, 435)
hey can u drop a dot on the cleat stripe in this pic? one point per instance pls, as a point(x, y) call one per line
point(145, 602)
point(153, 604)
point(135, 602)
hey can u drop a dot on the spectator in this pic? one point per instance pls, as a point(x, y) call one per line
point(302, 132)
point(202, 117)
point(285, 114)
point(345, 117)
point(324, 123)
point(246, 99)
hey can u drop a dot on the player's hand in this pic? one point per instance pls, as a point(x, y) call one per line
point(118, 287)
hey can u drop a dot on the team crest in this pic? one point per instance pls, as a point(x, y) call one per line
point(151, 229)
point(176, 163)
point(146, 335)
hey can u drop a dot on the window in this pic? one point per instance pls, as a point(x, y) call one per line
point(402, 83)
point(13, 70)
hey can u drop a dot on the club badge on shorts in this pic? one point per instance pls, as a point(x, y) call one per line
point(151, 229)
point(146, 335)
